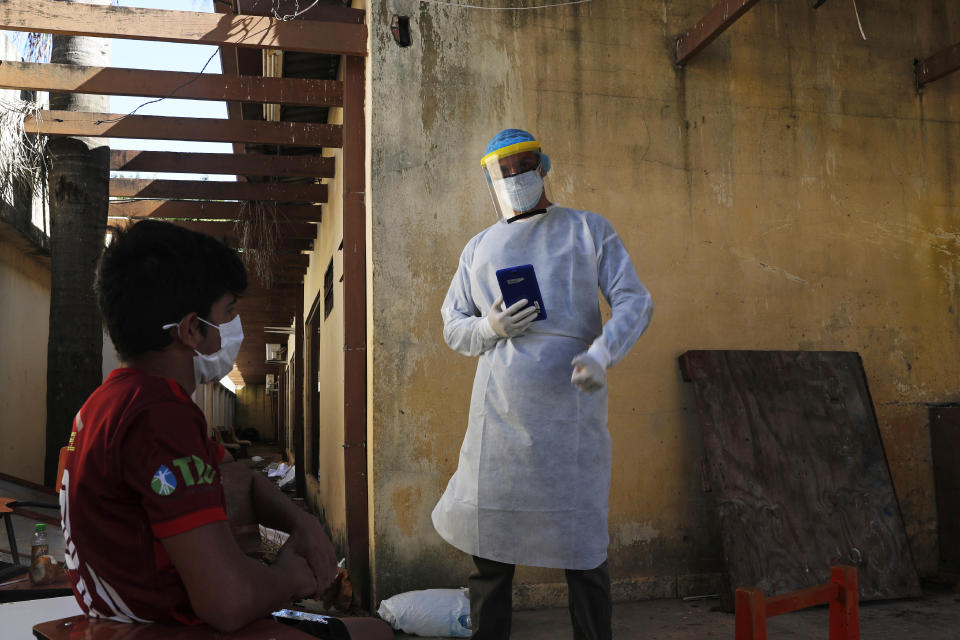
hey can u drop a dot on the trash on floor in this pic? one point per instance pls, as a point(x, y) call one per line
point(288, 476)
point(275, 469)
point(431, 612)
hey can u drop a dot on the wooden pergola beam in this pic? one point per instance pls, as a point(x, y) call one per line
point(168, 84)
point(717, 20)
point(284, 280)
point(263, 320)
point(280, 290)
point(214, 190)
point(286, 230)
point(265, 308)
point(78, 19)
point(290, 261)
point(938, 65)
point(306, 166)
point(281, 300)
point(227, 234)
point(277, 290)
point(199, 210)
point(269, 318)
point(111, 125)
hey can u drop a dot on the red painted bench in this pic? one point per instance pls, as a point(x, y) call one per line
point(753, 608)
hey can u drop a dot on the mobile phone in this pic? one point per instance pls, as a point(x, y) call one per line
point(518, 283)
point(317, 625)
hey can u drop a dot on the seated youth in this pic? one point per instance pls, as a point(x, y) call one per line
point(142, 499)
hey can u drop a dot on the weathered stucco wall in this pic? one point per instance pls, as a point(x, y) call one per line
point(787, 190)
point(25, 286)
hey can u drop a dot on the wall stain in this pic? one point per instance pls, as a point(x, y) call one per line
point(406, 503)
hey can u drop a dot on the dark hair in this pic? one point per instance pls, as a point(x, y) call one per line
point(154, 273)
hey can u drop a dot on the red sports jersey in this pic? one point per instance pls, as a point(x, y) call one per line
point(141, 467)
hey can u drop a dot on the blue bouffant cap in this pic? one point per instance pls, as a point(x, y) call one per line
point(517, 140)
point(506, 138)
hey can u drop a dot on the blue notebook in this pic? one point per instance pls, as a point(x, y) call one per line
point(518, 283)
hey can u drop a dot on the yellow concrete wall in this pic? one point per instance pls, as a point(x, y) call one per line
point(25, 287)
point(255, 409)
point(325, 484)
point(787, 190)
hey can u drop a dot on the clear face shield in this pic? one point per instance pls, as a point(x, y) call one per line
point(515, 176)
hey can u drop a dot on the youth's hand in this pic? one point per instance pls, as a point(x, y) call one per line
point(311, 542)
point(297, 571)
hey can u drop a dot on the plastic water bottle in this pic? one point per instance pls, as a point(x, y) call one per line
point(38, 544)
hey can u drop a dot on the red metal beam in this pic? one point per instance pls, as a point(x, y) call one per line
point(723, 14)
point(938, 65)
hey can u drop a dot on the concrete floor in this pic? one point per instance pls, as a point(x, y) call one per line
point(936, 616)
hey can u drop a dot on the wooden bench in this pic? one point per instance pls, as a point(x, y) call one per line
point(753, 608)
point(99, 629)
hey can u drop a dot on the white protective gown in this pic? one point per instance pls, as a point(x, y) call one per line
point(533, 480)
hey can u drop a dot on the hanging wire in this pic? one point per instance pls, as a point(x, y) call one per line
point(274, 10)
point(169, 95)
point(297, 11)
point(475, 6)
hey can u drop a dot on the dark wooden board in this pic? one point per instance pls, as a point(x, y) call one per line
point(797, 466)
point(945, 445)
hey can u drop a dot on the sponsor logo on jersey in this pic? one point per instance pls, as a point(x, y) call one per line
point(192, 470)
point(164, 482)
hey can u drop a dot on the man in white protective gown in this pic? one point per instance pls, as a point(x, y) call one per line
point(533, 479)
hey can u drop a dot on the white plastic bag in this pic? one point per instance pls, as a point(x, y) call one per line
point(431, 612)
point(288, 476)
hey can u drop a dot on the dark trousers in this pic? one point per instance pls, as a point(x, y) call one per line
point(491, 601)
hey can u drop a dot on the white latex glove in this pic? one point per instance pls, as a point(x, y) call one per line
point(512, 321)
point(588, 374)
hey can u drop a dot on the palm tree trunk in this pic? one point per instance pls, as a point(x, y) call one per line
point(78, 187)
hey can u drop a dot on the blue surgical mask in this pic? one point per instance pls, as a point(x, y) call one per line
point(521, 192)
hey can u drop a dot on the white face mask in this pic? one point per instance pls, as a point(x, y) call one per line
point(210, 367)
point(521, 192)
